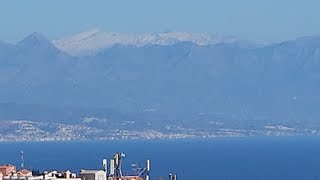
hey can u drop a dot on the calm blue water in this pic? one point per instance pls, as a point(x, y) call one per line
point(292, 158)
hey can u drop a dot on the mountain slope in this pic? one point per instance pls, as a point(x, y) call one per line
point(184, 82)
point(95, 40)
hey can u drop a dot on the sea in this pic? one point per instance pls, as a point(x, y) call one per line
point(247, 158)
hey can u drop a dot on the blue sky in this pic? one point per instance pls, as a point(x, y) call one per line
point(255, 20)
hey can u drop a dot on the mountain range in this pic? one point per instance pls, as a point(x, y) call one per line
point(193, 80)
point(90, 42)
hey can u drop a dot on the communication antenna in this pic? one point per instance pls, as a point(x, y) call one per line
point(172, 176)
point(22, 160)
point(104, 163)
point(112, 170)
point(118, 162)
point(146, 171)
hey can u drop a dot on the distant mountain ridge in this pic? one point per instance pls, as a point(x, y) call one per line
point(184, 82)
point(96, 40)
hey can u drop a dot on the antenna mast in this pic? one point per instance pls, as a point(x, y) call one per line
point(22, 160)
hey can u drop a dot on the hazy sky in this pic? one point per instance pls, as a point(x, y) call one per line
point(257, 20)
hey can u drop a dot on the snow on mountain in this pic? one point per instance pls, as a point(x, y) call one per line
point(182, 82)
point(95, 40)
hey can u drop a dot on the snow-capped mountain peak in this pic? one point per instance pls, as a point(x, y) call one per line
point(95, 40)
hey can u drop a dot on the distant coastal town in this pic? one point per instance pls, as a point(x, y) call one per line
point(24, 130)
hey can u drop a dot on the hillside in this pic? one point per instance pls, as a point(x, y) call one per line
point(181, 83)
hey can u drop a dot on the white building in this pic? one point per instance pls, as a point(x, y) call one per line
point(93, 175)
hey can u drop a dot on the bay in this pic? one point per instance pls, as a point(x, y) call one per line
point(221, 158)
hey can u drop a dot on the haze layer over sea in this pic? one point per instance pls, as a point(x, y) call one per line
point(222, 158)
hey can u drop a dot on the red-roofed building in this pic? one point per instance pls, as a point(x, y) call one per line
point(7, 169)
point(24, 172)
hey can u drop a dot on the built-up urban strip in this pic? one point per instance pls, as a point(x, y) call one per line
point(111, 172)
point(25, 130)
